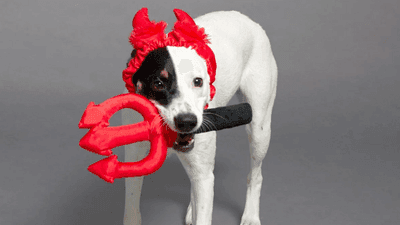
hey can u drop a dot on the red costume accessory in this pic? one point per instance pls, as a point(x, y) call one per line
point(101, 139)
point(148, 35)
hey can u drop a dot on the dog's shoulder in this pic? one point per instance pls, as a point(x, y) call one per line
point(230, 26)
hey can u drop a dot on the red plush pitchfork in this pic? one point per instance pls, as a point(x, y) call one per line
point(101, 139)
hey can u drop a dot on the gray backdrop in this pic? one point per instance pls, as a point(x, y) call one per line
point(334, 154)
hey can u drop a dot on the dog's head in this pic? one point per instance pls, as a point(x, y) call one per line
point(174, 71)
point(175, 79)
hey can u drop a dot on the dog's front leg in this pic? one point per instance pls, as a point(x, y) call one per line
point(199, 165)
point(133, 185)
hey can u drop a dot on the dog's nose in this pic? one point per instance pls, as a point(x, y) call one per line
point(185, 122)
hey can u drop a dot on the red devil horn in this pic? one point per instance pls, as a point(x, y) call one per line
point(146, 32)
point(183, 17)
point(186, 29)
point(141, 18)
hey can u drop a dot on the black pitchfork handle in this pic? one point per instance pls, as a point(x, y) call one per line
point(225, 117)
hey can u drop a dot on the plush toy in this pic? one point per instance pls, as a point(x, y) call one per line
point(101, 138)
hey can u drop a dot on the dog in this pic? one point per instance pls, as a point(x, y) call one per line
point(175, 79)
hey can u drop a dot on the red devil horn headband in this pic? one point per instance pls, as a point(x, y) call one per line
point(148, 35)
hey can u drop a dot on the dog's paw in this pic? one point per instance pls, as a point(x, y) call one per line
point(188, 218)
point(250, 220)
point(133, 219)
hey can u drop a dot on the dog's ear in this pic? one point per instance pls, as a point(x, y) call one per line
point(133, 53)
point(139, 86)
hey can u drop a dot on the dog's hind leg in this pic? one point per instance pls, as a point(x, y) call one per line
point(133, 186)
point(259, 88)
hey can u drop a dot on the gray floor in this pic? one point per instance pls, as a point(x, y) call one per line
point(334, 155)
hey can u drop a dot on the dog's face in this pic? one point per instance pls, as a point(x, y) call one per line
point(175, 79)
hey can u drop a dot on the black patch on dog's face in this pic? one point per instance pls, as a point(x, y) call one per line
point(155, 84)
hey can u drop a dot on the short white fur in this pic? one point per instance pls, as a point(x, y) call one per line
point(244, 61)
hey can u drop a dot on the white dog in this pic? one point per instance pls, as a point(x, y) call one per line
point(244, 61)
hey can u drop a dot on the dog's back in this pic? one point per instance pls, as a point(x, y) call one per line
point(238, 43)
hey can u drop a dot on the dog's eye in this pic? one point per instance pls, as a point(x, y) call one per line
point(158, 85)
point(198, 82)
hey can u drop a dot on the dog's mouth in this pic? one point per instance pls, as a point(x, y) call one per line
point(184, 142)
